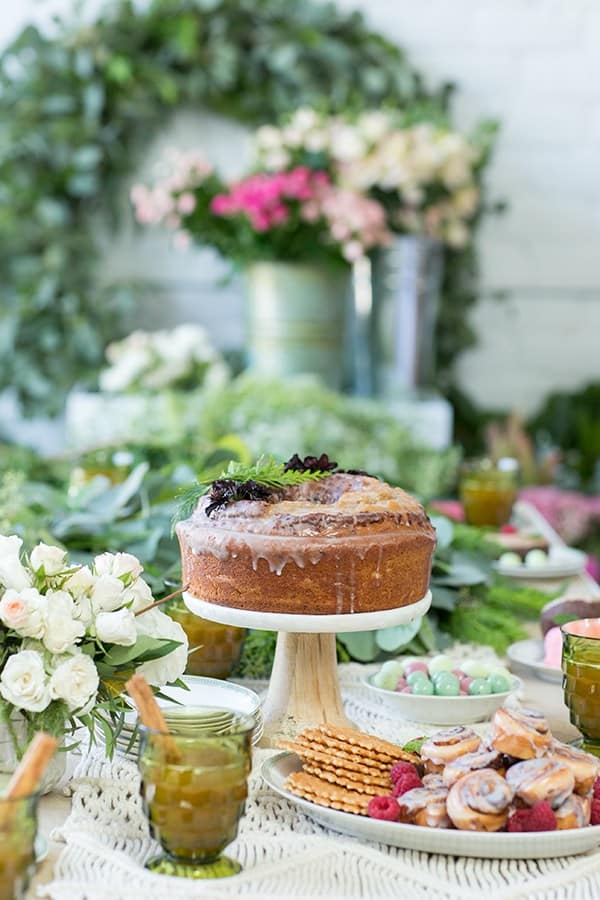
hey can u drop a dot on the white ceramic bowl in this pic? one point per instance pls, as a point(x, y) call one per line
point(441, 710)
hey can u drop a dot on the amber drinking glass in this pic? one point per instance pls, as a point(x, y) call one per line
point(487, 493)
point(581, 679)
point(219, 646)
point(18, 825)
point(194, 787)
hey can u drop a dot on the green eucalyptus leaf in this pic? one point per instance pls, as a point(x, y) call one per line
point(361, 645)
point(397, 636)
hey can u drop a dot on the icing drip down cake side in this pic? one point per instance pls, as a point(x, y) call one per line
point(346, 544)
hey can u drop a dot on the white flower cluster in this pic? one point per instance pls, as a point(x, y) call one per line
point(425, 172)
point(154, 361)
point(58, 617)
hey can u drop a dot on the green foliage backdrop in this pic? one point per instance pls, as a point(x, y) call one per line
point(77, 107)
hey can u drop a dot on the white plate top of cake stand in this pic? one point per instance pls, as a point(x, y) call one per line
point(306, 624)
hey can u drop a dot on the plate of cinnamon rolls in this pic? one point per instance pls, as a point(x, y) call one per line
point(516, 794)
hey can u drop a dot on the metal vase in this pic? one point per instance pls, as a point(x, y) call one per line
point(296, 320)
point(406, 284)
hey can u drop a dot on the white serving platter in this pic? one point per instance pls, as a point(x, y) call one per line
point(526, 658)
point(449, 842)
point(563, 562)
point(441, 710)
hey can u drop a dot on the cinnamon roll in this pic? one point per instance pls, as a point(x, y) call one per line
point(541, 779)
point(472, 762)
point(584, 766)
point(480, 801)
point(434, 779)
point(522, 733)
point(446, 746)
point(425, 806)
point(573, 813)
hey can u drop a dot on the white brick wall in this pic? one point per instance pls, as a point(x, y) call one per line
point(534, 64)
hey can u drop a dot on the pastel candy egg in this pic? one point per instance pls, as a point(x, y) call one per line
point(407, 660)
point(415, 667)
point(498, 683)
point(475, 668)
point(440, 663)
point(393, 667)
point(416, 676)
point(510, 559)
point(458, 672)
point(479, 686)
point(465, 683)
point(401, 683)
point(407, 690)
point(500, 670)
point(423, 687)
point(448, 686)
point(385, 681)
point(535, 559)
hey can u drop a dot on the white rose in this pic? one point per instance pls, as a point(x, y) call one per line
point(138, 595)
point(305, 118)
point(13, 573)
point(107, 593)
point(62, 628)
point(346, 143)
point(117, 627)
point(81, 582)
point(118, 564)
point(24, 611)
point(52, 559)
point(269, 137)
point(82, 610)
point(24, 682)
point(374, 125)
point(172, 666)
point(75, 681)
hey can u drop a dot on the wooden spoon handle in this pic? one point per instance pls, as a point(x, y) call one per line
point(28, 774)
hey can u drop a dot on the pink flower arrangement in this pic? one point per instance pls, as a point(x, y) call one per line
point(570, 513)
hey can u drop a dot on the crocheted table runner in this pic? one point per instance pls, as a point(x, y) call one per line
point(283, 852)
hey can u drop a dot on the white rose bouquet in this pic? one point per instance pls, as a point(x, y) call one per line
point(424, 175)
point(71, 635)
point(181, 359)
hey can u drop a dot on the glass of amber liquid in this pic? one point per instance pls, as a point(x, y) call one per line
point(581, 679)
point(18, 826)
point(194, 787)
point(219, 647)
point(487, 493)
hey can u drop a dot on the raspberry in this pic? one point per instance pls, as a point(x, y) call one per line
point(595, 818)
point(399, 768)
point(406, 782)
point(597, 789)
point(539, 817)
point(508, 529)
point(383, 808)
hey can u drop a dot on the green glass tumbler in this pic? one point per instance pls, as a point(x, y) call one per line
point(581, 679)
point(487, 493)
point(18, 826)
point(194, 788)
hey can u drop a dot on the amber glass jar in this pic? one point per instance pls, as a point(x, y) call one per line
point(219, 646)
point(581, 679)
point(487, 493)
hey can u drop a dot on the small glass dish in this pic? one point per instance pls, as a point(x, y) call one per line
point(18, 826)
point(194, 788)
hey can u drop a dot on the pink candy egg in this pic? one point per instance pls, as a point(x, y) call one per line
point(416, 667)
point(401, 684)
point(465, 681)
point(458, 672)
point(407, 690)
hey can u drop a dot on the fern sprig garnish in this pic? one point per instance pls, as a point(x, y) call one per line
point(265, 473)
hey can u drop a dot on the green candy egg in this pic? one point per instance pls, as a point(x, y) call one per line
point(500, 670)
point(440, 663)
point(448, 686)
point(498, 684)
point(394, 668)
point(417, 677)
point(384, 680)
point(479, 686)
point(422, 687)
point(474, 668)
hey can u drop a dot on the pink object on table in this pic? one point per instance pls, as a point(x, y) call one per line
point(401, 683)
point(553, 648)
point(416, 667)
point(465, 681)
point(589, 628)
point(451, 508)
point(407, 690)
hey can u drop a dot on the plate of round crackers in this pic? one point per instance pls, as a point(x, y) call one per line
point(331, 774)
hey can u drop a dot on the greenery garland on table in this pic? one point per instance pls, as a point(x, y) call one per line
point(77, 107)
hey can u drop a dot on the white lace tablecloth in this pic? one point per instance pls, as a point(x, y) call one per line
point(284, 853)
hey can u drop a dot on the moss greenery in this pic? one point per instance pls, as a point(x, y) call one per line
point(78, 105)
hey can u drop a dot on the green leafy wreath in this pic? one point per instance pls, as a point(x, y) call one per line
point(78, 105)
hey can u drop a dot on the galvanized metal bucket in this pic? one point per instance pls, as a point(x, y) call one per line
point(296, 320)
point(406, 282)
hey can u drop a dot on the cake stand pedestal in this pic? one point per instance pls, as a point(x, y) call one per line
point(304, 689)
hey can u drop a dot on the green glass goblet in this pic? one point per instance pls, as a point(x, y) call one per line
point(18, 826)
point(194, 787)
point(581, 679)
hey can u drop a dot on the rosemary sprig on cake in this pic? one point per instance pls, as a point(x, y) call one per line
point(253, 482)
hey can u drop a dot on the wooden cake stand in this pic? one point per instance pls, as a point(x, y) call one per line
point(304, 689)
